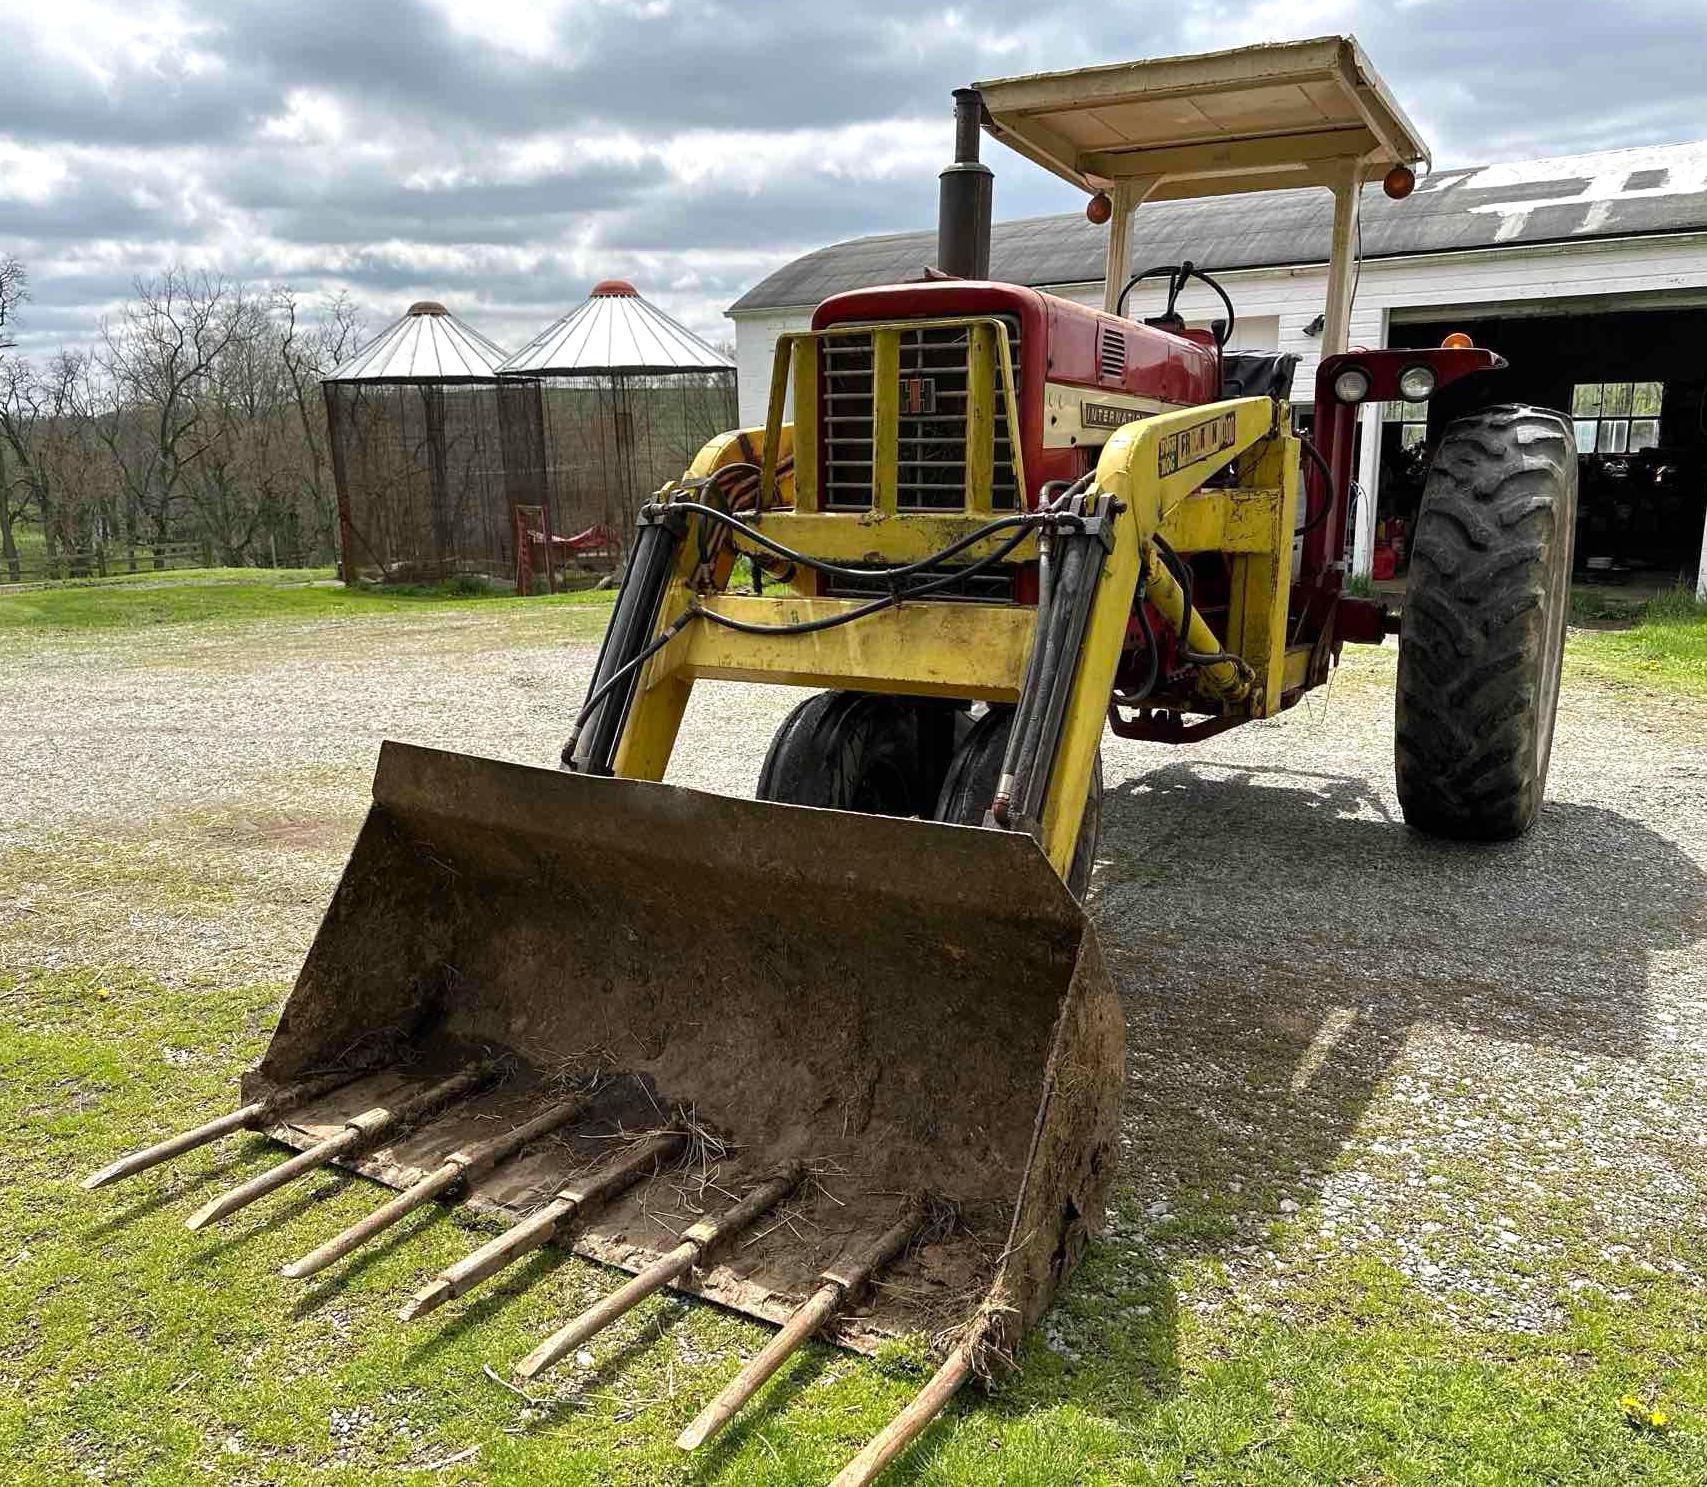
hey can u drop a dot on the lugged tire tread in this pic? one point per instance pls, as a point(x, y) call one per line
point(1483, 624)
point(970, 785)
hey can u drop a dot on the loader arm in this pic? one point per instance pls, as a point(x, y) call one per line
point(1148, 483)
point(854, 1068)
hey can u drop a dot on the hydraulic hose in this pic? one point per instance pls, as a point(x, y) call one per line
point(1227, 677)
point(1155, 658)
point(605, 712)
point(1037, 687)
point(1025, 521)
point(592, 740)
point(1311, 523)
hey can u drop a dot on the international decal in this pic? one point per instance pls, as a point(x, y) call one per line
point(1108, 415)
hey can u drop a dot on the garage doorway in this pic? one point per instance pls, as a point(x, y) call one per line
point(1634, 382)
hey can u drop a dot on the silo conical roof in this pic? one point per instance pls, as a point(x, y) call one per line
point(615, 330)
point(425, 344)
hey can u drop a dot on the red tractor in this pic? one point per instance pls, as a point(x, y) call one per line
point(996, 522)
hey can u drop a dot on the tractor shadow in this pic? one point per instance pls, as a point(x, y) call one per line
point(1276, 937)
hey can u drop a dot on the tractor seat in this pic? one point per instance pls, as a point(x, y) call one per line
point(1257, 374)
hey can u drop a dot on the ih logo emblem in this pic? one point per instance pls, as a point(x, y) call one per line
point(918, 396)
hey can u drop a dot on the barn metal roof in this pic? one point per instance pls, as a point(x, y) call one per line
point(426, 344)
point(1573, 198)
point(615, 330)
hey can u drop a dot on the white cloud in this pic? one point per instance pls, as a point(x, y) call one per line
point(107, 40)
point(312, 116)
point(503, 154)
point(31, 174)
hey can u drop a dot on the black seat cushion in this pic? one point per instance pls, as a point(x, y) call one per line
point(1257, 374)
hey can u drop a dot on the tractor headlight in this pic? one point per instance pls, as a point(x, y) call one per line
point(1352, 385)
point(1416, 384)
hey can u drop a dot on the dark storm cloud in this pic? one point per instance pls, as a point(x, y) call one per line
point(96, 205)
point(507, 154)
point(365, 204)
point(50, 96)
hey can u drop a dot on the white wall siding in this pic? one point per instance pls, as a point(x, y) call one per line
point(1426, 286)
point(1278, 303)
point(755, 345)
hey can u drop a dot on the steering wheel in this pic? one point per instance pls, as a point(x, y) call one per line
point(1179, 274)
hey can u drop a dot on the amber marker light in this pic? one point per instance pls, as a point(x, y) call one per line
point(1457, 341)
point(1099, 208)
point(1399, 182)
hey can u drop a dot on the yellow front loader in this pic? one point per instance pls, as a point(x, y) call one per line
point(845, 1057)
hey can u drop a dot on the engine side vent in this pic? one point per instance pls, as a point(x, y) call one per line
point(1111, 352)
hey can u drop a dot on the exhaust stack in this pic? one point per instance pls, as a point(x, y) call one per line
point(963, 211)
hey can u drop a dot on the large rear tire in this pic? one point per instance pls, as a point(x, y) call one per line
point(1483, 633)
point(971, 786)
point(861, 751)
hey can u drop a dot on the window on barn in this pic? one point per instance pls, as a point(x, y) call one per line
point(1616, 417)
point(1412, 419)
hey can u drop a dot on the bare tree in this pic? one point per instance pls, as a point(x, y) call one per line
point(16, 423)
point(239, 479)
point(60, 475)
point(158, 355)
point(14, 290)
point(308, 356)
point(199, 416)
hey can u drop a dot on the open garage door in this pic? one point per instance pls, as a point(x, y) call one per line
point(1635, 382)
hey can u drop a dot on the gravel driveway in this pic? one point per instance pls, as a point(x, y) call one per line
point(1482, 1066)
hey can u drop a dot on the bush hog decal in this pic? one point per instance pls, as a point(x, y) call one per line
point(1192, 444)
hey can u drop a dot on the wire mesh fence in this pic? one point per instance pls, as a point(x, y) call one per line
point(421, 480)
point(609, 441)
point(582, 453)
point(534, 480)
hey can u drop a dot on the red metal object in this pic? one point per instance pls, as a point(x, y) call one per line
point(1159, 726)
point(1065, 344)
point(1362, 621)
point(1336, 426)
point(597, 541)
point(1320, 569)
point(1060, 342)
point(533, 533)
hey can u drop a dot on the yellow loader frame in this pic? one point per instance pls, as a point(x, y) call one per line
point(1155, 470)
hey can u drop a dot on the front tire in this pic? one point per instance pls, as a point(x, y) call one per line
point(1482, 638)
point(970, 787)
point(861, 751)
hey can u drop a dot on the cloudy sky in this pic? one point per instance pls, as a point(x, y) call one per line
point(502, 155)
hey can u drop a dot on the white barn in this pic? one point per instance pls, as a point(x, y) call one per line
point(1588, 272)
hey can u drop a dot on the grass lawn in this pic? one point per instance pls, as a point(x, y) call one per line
point(238, 595)
point(134, 1352)
point(166, 1358)
point(1665, 649)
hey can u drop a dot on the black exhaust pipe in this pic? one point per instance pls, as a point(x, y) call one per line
point(963, 211)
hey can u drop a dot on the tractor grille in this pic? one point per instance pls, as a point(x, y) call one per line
point(932, 438)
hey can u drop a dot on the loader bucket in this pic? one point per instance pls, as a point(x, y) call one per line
point(886, 1012)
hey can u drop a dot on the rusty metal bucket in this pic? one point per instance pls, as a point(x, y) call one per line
point(895, 1038)
point(900, 1006)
